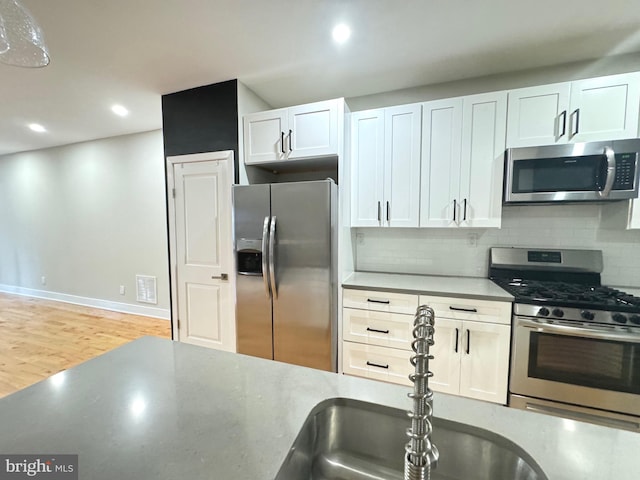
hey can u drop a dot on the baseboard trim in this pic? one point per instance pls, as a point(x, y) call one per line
point(144, 311)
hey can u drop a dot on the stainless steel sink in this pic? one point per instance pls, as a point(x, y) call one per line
point(345, 439)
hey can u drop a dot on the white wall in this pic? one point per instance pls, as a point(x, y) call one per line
point(88, 217)
point(491, 83)
point(448, 251)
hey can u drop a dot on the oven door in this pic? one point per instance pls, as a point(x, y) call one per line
point(592, 366)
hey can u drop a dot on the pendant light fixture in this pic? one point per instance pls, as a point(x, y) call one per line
point(21, 39)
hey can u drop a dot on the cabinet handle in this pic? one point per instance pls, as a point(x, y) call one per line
point(455, 207)
point(386, 302)
point(564, 123)
point(379, 212)
point(464, 218)
point(371, 364)
point(388, 212)
point(576, 113)
point(460, 309)
point(282, 142)
point(377, 331)
point(457, 337)
point(290, 146)
point(468, 340)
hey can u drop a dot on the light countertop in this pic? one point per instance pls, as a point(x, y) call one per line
point(461, 287)
point(157, 409)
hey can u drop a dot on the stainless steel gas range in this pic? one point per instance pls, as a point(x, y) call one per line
point(575, 343)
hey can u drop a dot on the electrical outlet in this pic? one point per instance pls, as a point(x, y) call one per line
point(43, 280)
point(360, 238)
point(122, 290)
point(472, 239)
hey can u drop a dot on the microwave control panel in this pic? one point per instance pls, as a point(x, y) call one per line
point(626, 164)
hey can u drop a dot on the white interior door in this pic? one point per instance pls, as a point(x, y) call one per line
point(204, 254)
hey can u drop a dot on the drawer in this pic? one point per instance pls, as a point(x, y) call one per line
point(378, 363)
point(385, 329)
point(380, 301)
point(469, 309)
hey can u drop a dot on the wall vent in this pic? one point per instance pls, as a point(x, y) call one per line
point(146, 289)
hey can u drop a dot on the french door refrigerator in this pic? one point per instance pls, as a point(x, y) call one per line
point(286, 285)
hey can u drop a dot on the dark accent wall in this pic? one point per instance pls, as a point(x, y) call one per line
point(202, 119)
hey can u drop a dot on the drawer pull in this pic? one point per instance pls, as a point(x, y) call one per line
point(377, 331)
point(386, 302)
point(371, 364)
point(459, 309)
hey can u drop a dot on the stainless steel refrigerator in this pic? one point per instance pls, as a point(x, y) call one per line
point(286, 286)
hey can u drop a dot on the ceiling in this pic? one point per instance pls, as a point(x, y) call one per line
point(132, 51)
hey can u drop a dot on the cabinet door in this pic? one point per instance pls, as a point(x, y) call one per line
point(446, 356)
point(367, 168)
point(441, 144)
point(484, 365)
point(402, 166)
point(484, 119)
point(312, 130)
point(264, 133)
point(605, 108)
point(538, 115)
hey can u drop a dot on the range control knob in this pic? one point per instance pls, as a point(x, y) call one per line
point(557, 312)
point(635, 319)
point(587, 315)
point(543, 312)
point(618, 317)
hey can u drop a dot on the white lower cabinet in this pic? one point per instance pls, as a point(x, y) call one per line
point(471, 350)
point(377, 332)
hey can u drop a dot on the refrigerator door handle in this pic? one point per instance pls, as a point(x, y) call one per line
point(265, 266)
point(272, 266)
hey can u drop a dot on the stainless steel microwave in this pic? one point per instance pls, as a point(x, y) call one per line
point(579, 172)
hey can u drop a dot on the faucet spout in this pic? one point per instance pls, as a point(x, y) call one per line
point(421, 455)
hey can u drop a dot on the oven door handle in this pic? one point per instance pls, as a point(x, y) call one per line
point(541, 326)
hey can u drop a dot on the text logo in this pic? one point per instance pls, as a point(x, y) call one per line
point(49, 467)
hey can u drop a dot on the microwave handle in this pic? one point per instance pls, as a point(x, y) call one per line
point(610, 155)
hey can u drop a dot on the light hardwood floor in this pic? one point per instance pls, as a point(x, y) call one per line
point(40, 337)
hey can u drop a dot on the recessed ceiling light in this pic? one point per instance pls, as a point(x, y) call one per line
point(120, 110)
point(341, 33)
point(36, 127)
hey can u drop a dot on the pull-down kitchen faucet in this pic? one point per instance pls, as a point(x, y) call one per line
point(421, 455)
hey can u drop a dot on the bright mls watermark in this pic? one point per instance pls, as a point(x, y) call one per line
point(50, 467)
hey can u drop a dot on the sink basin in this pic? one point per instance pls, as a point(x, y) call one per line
point(344, 439)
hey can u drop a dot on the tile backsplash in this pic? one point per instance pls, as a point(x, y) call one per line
point(465, 252)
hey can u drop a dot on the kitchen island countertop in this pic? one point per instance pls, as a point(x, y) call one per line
point(157, 409)
point(461, 287)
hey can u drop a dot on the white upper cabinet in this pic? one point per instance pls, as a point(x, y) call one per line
point(385, 159)
point(603, 108)
point(313, 130)
point(538, 115)
point(441, 156)
point(367, 161)
point(402, 165)
point(304, 131)
point(264, 136)
point(482, 167)
point(463, 142)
